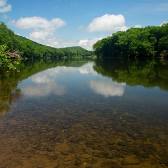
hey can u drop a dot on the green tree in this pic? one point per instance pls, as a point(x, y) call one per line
point(6, 62)
point(151, 41)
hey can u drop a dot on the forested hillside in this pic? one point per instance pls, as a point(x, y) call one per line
point(32, 50)
point(135, 42)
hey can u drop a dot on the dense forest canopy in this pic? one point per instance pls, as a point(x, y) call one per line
point(135, 42)
point(30, 50)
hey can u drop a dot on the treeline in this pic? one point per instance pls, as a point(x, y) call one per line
point(151, 41)
point(32, 50)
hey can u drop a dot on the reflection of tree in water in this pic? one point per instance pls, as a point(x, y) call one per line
point(9, 81)
point(8, 93)
point(148, 73)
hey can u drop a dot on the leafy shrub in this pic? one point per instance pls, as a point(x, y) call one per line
point(6, 61)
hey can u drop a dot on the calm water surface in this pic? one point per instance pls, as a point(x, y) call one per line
point(85, 114)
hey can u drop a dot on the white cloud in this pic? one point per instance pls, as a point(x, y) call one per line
point(4, 6)
point(51, 40)
point(85, 43)
point(107, 23)
point(107, 88)
point(88, 43)
point(164, 22)
point(36, 22)
point(41, 29)
point(40, 35)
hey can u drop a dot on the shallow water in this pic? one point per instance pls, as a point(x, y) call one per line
point(84, 114)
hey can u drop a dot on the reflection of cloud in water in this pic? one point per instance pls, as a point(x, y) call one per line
point(43, 77)
point(45, 83)
point(84, 69)
point(107, 88)
point(87, 69)
point(44, 90)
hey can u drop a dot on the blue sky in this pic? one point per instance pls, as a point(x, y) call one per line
point(61, 23)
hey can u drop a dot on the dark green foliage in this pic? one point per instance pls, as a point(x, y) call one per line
point(135, 42)
point(7, 37)
point(31, 50)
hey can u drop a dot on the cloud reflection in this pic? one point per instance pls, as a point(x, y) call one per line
point(87, 69)
point(107, 88)
point(48, 82)
point(44, 90)
point(44, 84)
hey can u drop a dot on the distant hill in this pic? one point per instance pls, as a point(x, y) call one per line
point(32, 50)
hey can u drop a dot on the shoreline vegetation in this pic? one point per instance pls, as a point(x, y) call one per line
point(135, 43)
point(9, 60)
point(15, 49)
point(148, 42)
